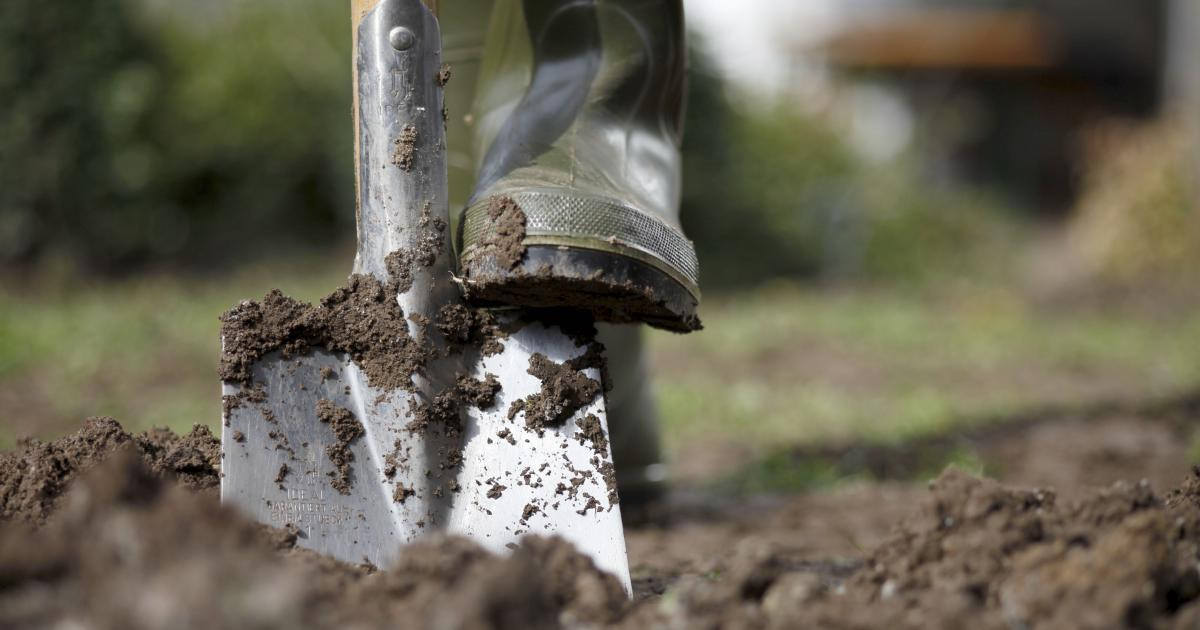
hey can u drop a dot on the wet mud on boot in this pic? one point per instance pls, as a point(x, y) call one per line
point(500, 268)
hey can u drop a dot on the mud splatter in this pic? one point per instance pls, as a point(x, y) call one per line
point(405, 152)
point(346, 428)
point(504, 245)
point(592, 430)
point(564, 391)
point(402, 492)
point(253, 394)
point(464, 327)
point(477, 393)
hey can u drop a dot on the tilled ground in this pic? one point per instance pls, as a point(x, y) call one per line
point(104, 529)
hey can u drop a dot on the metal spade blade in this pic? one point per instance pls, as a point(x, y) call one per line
point(312, 442)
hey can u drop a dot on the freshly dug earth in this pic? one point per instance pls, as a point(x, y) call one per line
point(120, 543)
point(105, 529)
point(361, 319)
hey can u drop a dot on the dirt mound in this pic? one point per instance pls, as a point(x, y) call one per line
point(982, 555)
point(33, 479)
point(109, 529)
point(126, 547)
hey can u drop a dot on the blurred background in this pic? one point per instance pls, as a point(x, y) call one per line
point(917, 220)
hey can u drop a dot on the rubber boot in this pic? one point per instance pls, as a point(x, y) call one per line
point(632, 413)
point(576, 124)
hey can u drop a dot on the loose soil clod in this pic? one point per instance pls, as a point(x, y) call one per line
point(361, 319)
point(565, 390)
point(476, 393)
point(591, 430)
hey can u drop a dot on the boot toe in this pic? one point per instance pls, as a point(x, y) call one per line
point(538, 250)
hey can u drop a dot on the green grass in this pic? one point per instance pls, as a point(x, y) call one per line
point(787, 365)
point(776, 366)
point(143, 350)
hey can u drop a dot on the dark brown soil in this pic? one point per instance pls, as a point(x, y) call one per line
point(33, 479)
point(346, 428)
point(477, 393)
point(504, 246)
point(591, 430)
point(464, 327)
point(565, 390)
point(399, 265)
point(255, 394)
point(361, 319)
point(126, 544)
point(129, 549)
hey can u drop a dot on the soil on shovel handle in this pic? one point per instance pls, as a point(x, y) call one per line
point(125, 531)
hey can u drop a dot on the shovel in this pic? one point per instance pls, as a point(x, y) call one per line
point(315, 440)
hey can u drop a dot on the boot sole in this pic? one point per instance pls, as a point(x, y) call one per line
point(614, 288)
point(579, 252)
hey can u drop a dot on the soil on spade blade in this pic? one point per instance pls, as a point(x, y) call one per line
point(106, 529)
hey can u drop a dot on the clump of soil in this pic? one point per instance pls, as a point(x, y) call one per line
point(504, 245)
point(399, 265)
point(346, 428)
point(361, 319)
point(33, 478)
point(477, 393)
point(463, 327)
point(565, 390)
point(591, 430)
point(988, 556)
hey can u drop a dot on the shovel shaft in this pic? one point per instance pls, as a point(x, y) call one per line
point(400, 140)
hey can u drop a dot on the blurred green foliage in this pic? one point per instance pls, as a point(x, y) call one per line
point(136, 133)
point(775, 192)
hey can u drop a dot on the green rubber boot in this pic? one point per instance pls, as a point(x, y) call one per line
point(575, 128)
point(632, 413)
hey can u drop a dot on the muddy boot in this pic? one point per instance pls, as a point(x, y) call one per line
point(633, 418)
point(575, 125)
